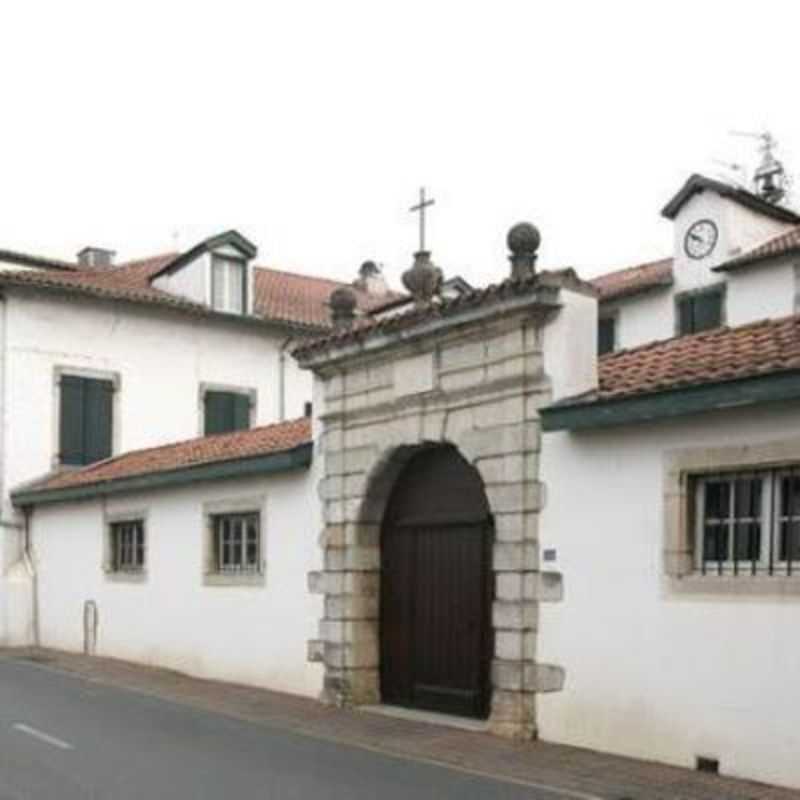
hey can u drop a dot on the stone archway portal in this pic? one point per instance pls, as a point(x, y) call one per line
point(436, 587)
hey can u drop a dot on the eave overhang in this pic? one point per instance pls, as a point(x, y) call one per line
point(698, 183)
point(679, 402)
point(283, 461)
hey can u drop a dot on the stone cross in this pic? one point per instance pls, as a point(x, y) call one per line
point(421, 206)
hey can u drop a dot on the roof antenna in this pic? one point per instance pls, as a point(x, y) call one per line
point(770, 180)
point(176, 240)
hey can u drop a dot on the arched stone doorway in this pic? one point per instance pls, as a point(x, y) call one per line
point(436, 587)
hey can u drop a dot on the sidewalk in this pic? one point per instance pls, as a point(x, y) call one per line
point(578, 774)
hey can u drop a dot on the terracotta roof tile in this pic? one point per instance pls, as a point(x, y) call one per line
point(303, 299)
point(782, 244)
point(284, 297)
point(261, 441)
point(725, 354)
point(632, 280)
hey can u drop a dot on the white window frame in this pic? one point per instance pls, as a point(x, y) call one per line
point(222, 550)
point(227, 263)
point(132, 526)
point(233, 505)
point(770, 519)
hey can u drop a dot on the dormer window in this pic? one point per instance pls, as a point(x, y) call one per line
point(228, 285)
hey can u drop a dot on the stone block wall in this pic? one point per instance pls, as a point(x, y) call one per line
point(479, 388)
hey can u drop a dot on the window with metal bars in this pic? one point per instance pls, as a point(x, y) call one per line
point(237, 542)
point(127, 546)
point(748, 522)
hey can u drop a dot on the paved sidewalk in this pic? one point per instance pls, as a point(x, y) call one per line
point(579, 774)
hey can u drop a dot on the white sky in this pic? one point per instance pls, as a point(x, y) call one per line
point(309, 126)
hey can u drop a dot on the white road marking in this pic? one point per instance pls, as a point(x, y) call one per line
point(42, 736)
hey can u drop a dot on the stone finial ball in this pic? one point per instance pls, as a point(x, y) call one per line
point(342, 300)
point(524, 238)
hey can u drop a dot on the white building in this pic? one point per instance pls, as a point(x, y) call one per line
point(97, 359)
point(483, 517)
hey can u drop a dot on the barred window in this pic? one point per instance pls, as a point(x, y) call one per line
point(237, 542)
point(748, 522)
point(127, 546)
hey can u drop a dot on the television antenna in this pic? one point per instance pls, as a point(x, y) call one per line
point(770, 180)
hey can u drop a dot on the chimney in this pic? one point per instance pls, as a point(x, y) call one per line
point(97, 258)
point(370, 279)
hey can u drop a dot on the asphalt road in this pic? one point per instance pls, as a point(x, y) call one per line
point(65, 738)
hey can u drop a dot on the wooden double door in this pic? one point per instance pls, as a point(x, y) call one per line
point(436, 588)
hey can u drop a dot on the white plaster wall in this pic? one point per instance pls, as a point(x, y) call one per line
point(161, 359)
point(651, 674)
point(191, 281)
point(253, 635)
point(761, 292)
point(643, 318)
point(569, 345)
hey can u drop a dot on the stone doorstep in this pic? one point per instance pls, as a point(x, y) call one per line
point(570, 772)
point(428, 717)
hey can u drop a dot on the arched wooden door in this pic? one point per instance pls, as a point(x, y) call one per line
point(436, 587)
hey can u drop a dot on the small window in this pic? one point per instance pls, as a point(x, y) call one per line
point(225, 412)
point(85, 419)
point(748, 522)
point(127, 546)
point(606, 335)
point(228, 285)
point(700, 311)
point(237, 542)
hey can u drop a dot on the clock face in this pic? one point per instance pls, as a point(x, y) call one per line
point(701, 239)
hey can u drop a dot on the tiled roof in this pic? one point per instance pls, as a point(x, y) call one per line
point(28, 260)
point(303, 299)
point(782, 244)
point(494, 293)
point(725, 354)
point(251, 443)
point(283, 297)
point(632, 280)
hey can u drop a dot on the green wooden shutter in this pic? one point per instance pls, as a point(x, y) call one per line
point(98, 401)
point(605, 335)
point(685, 316)
point(241, 412)
point(225, 412)
point(216, 408)
point(707, 311)
point(71, 420)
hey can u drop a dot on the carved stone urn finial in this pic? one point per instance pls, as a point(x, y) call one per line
point(342, 303)
point(424, 279)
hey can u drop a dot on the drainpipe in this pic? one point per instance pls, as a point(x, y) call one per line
point(282, 378)
point(30, 566)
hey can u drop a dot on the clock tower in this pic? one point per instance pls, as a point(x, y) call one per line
point(713, 223)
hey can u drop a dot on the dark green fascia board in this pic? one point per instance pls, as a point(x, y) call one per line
point(673, 403)
point(285, 461)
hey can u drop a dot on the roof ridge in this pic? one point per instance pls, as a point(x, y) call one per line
point(135, 262)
